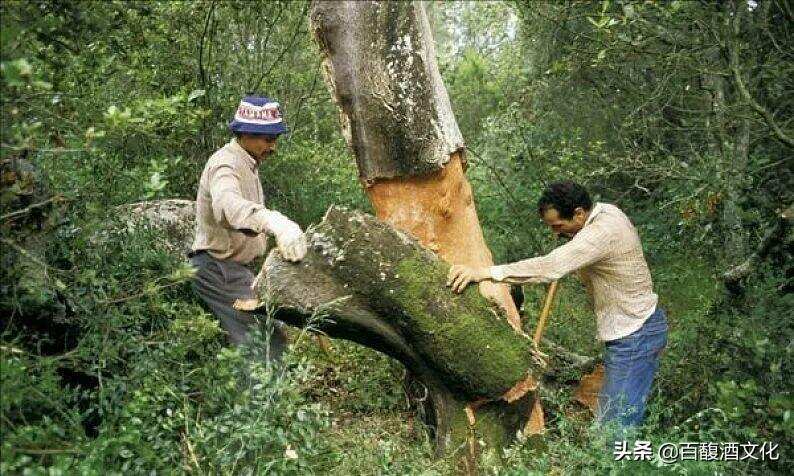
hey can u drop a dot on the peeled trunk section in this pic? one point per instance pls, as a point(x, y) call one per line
point(365, 281)
point(380, 66)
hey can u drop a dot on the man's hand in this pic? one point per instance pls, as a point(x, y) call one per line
point(289, 238)
point(294, 249)
point(460, 276)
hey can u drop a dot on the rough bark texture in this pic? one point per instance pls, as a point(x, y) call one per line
point(399, 287)
point(175, 217)
point(380, 64)
point(778, 234)
point(367, 282)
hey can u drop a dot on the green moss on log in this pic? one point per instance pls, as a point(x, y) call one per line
point(462, 337)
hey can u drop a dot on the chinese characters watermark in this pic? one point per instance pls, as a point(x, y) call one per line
point(696, 451)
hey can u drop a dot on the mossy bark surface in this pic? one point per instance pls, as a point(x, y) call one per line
point(393, 287)
point(365, 281)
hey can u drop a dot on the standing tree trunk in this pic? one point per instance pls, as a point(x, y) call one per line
point(380, 65)
point(734, 165)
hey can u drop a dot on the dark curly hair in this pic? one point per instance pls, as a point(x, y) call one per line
point(565, 197)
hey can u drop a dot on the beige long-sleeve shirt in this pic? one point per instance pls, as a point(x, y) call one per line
point(608, 255)
point(230, 212)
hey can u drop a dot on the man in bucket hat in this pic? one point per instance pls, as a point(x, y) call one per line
point(232, 222)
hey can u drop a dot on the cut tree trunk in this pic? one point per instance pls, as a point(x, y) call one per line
point(365, 281)
point(379, 63)
point(380, 66)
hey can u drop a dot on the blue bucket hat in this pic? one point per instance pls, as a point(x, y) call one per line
point(258, 115)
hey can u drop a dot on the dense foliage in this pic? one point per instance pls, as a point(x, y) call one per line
point(679, 112)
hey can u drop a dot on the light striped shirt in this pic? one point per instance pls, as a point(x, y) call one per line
point(230, 211)
point(608, 256)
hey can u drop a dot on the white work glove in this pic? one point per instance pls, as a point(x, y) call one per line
point(289, 238)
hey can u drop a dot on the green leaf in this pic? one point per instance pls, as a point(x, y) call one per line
point(195, 94)
point(602, 54)
point(628, 10)
point(24, 68)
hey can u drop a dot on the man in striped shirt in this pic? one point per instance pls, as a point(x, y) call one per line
point(605, 250)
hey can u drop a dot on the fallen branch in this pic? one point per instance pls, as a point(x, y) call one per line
point(28, 209)
point(773, 236)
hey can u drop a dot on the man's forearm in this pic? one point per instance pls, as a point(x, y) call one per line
point(240, 214)
point(531, 270)
point(587, 247)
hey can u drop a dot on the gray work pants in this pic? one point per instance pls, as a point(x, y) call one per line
point(220, 283)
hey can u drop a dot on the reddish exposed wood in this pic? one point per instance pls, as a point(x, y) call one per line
point(536, 424)
point(529, 384)
point(589, 387)
point(439, 210)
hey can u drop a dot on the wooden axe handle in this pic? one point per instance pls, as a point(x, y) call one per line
point(544, 314)
point(536, 424)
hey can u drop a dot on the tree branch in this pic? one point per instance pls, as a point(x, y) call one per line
point(773, 236)
point(57, 198)
point(737, 77)
point(202, 71)
point(287, 48)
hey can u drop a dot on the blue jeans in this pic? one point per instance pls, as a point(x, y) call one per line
point(630, 364)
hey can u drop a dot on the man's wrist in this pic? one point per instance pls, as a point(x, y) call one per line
point(262, 220)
